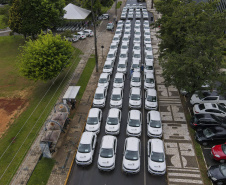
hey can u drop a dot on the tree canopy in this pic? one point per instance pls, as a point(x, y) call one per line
point(191, 37)
point(29, 17)
point(44, 58)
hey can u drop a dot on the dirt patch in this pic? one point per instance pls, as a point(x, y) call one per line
point(9, 110)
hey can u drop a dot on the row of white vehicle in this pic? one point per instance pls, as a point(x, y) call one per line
point(132, 145)
point(138, 10)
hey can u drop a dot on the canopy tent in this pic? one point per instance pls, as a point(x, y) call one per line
point(75, 12)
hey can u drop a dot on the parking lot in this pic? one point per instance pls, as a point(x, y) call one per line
point(91, 174)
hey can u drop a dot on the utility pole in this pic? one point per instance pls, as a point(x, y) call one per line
point(152, 4)
point(95, 36)
point(116, 10)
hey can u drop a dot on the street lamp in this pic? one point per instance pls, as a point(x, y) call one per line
point(102, 47)
point(95, 36)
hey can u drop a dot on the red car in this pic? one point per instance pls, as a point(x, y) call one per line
point(219, 152)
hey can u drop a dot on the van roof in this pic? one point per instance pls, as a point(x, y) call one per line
point(136, 74)
point(117, 90)
point(149, 75)
point(157, 145)
point(119, 75)
point(107, 141)
point(155, 115)
point(132, 143)
point(151, 92)
point(134, 114)
point(104, 75)
point(135, 90)
point(93, 112)
point(100, 90)
point(113, 112)
point(86, 137)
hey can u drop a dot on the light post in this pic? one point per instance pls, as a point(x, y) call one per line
point(116, 10)
point(95, 36)
point(102, 47)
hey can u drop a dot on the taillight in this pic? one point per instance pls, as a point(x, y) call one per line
point(194, 124)
point(196, 112)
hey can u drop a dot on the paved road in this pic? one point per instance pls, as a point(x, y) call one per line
point(91, 174)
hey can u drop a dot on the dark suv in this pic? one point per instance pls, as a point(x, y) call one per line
point(201, 121)
point(213, 135)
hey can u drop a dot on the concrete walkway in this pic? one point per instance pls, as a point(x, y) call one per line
point(182, 165)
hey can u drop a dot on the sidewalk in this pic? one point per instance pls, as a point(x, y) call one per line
point(181, 161)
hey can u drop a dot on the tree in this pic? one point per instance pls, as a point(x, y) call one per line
point(190, 47)
point(44, 58)
point(4, 11)
point(29, 17)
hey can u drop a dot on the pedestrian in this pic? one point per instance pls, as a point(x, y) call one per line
point(131, 72)
point(142, 67)
point(108, 17)
point(116, 22)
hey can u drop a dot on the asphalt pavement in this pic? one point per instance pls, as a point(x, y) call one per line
point(91, 174)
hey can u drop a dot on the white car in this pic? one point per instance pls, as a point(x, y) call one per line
point(120, 22)
point(116, 40)
point(137, 23)
point(147, 34)
point(136, 66)
point(88, 33)
point(100, 97)
point(148, 67)
point(123, 15)
point(149, 57)
point(119, 27)
point(123, 55)
point(146, 23)
point(114, 47)
point(137, 48)
point(93, 121)
point(136, 56)
point(113, 121)
point(124, 47)
point(128, 22)
point(148, 48)
point(135, 80)
point(130, 15)
point(138, 15)
point(149, 80)
point(135, 98)
point(145, 15)
point(156, 157)
point(119, 80)
point(137, 28)
point(118, 33)
point(154, 124)
point(134, 123)
point(146, 29)
point(81, 35)
point(126, 39)
point(151, 99)
point(210, 108)
point(84, 155)
point(104, 80)
point(136, 39)
point(111, 55)
point(127, 33)
point(147, 40)
point(107, 153)
point(116, 98)
point(108, 67)
point(131, 155)
point(122, 66)
point(137, 33)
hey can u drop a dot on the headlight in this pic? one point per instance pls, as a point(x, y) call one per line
point(217, 156)
point(213, 178)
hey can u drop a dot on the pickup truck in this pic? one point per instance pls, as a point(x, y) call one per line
point(110, 26)
point(207, 97)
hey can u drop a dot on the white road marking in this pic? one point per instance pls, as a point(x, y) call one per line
point(186, 181)
point(179, 169)
point(184, 175)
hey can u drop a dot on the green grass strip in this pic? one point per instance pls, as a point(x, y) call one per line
point(42, 172)
point(118, 4)
point(84, 79)
point(17, 146)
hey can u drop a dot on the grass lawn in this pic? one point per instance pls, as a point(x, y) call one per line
point(119, 4)
point(2, 25)
point(27, 126)
point(42, 171)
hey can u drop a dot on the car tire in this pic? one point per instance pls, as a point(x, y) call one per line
point(204, 143)
point(222, 161)
point(220, 183)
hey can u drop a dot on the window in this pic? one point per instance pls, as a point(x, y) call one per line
point(210, 98)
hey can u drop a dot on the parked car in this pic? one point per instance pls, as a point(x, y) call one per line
point(135, 80)
point(151, 102)
point(147, 40)
point(110, 26)
point(123, 55)
point(84, 155)
point(149, 67)
point(88, 33)
point(113, 121)
point(119, 80)
point(214, 135)
point(136, 66)
point(207, 97)
point(135, 98)
point(217, 174)
point(122, 66)
point(147, 48)
point(134, 123)
point(116, 98)
point(201, 121)
point(107, 153)
point(210, 108)
point(136, 56)
point(100, 97)
point(219, 152)
point(124, 47)
point(111, 55)
point(114, 47)
point(131, 155)
point(108, 66)
point(154, 124)
point(104, 80)
point(116, 39)
point(93, 121)
point(149, 80)
point(123, 16)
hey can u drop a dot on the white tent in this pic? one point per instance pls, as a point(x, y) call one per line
point(75, 12)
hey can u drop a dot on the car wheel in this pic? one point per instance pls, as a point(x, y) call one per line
point(204, 143)
point(219, 183)
point(199, 129)
point(222, 161)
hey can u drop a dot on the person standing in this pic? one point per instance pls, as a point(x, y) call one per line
point(142, 67)
point(131, 72)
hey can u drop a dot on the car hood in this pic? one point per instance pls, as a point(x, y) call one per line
point(136, 84)
point(157, 166)
point(107, 70)
point(134, 130)
point(217, 150)
point(112, 102)
point(151, 104)
point(98, 101)
point(149, 84)
point(83, 156)
point(92, 128)
point(112, 128)
point(214, 171)
point(131, 164)
point(155, 131)
point(106, 161)
point(118, 85)
point(102, 85)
